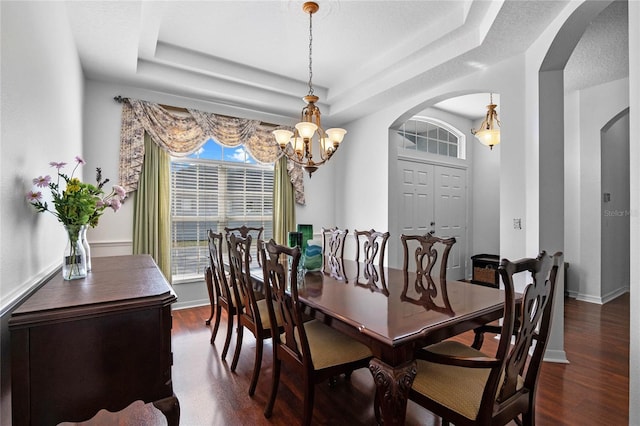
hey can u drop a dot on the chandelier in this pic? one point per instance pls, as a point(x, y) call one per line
point(489, 131)
point(309, 131)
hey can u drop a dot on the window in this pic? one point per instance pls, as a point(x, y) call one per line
point(214, 188)
point(432, 136)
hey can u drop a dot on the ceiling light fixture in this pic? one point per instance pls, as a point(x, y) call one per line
point(309, 128)
point(489, 131)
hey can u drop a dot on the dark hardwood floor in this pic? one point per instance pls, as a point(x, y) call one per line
point(592, 390)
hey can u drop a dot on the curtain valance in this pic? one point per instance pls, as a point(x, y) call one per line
point(183, 134)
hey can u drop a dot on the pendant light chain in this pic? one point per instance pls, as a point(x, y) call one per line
point(298, 145)
point(310, 51)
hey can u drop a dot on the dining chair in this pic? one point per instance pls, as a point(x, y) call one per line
point(372, 244)
point(244, 231)
point(333, 251)
point(428, 253)
point(220, 292)
point(313, 349)
point(468, 387)
point(253, 312)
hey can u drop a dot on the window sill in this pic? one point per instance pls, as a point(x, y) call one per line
point(187, 279)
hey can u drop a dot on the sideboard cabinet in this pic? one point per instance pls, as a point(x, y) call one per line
point(101, 342)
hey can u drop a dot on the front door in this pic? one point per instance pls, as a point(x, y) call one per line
point(433, 199)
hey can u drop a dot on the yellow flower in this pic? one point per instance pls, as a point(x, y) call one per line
point(73, 185)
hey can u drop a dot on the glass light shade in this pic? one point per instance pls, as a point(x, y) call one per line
point(282, 136)
point(325, 144)
point(306, 129)
point(298, 144)
point(336, 134)
point(488, 137)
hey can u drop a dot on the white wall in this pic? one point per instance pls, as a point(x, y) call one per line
point(485, 192)
point(42, 90)
point(615, 211)
point(634, 252)
point(597, 105)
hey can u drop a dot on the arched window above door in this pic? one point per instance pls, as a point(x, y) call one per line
point(432, 136)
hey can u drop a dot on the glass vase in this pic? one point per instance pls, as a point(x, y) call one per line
point(74, 264)
point(87, 247)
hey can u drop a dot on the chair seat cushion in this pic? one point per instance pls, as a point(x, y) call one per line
point(264, 314)
point(457, 388)
point(330, 347)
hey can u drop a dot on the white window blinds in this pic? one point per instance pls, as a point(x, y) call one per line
point(208, 194)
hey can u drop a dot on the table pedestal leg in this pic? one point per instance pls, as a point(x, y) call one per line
point(392, 389)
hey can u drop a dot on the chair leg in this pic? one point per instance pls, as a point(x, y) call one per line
point(478, 339)
point(275, 381)
point(227, 340)
point(257, 364)
point(309, 391)
point(216, 324)
point(209, 282)
point(236, 353)
point(214, 306)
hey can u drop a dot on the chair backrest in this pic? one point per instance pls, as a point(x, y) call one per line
point(217, 266)
point(242, 284)
point(333, 251)
point(372, 244)
point(533, 318)
point(421, 253)
point(244, 231)
point(281, 286)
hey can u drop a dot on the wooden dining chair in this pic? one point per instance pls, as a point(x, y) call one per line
point(244, 231)
point(424, 253)
point(333, 251)
point(313, 349)
point(253, 312)
point(372, 244)
point(220, 293)
point(468, 387)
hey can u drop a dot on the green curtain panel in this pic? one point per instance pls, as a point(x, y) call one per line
point(151, 215)
point(284, 213)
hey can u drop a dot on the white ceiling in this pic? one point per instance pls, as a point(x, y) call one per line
point(254, 54)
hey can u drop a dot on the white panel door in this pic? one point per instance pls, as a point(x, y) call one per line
point(451, 216)
point(433, 199)
point(416, 213)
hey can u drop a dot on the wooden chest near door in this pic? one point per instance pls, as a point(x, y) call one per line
point(485, 270)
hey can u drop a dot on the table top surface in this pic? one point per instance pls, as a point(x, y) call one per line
point(114, 279)
point(393, 308)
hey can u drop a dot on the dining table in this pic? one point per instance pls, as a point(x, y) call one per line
point(394, 312)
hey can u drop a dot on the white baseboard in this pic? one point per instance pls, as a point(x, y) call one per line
point(559, 357)
point(614, 294)
point(597, 299)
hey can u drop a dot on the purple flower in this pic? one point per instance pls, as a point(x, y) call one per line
point(100, 204)
point(34, 196)
point(115, 204)
point(42, 181)
point(80, 160)
point(57, 165)
point(120, 191)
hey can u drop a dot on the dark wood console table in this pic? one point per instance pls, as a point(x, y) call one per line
point(99, 342)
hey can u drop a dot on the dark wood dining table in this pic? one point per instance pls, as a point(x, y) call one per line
point(393, 314)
